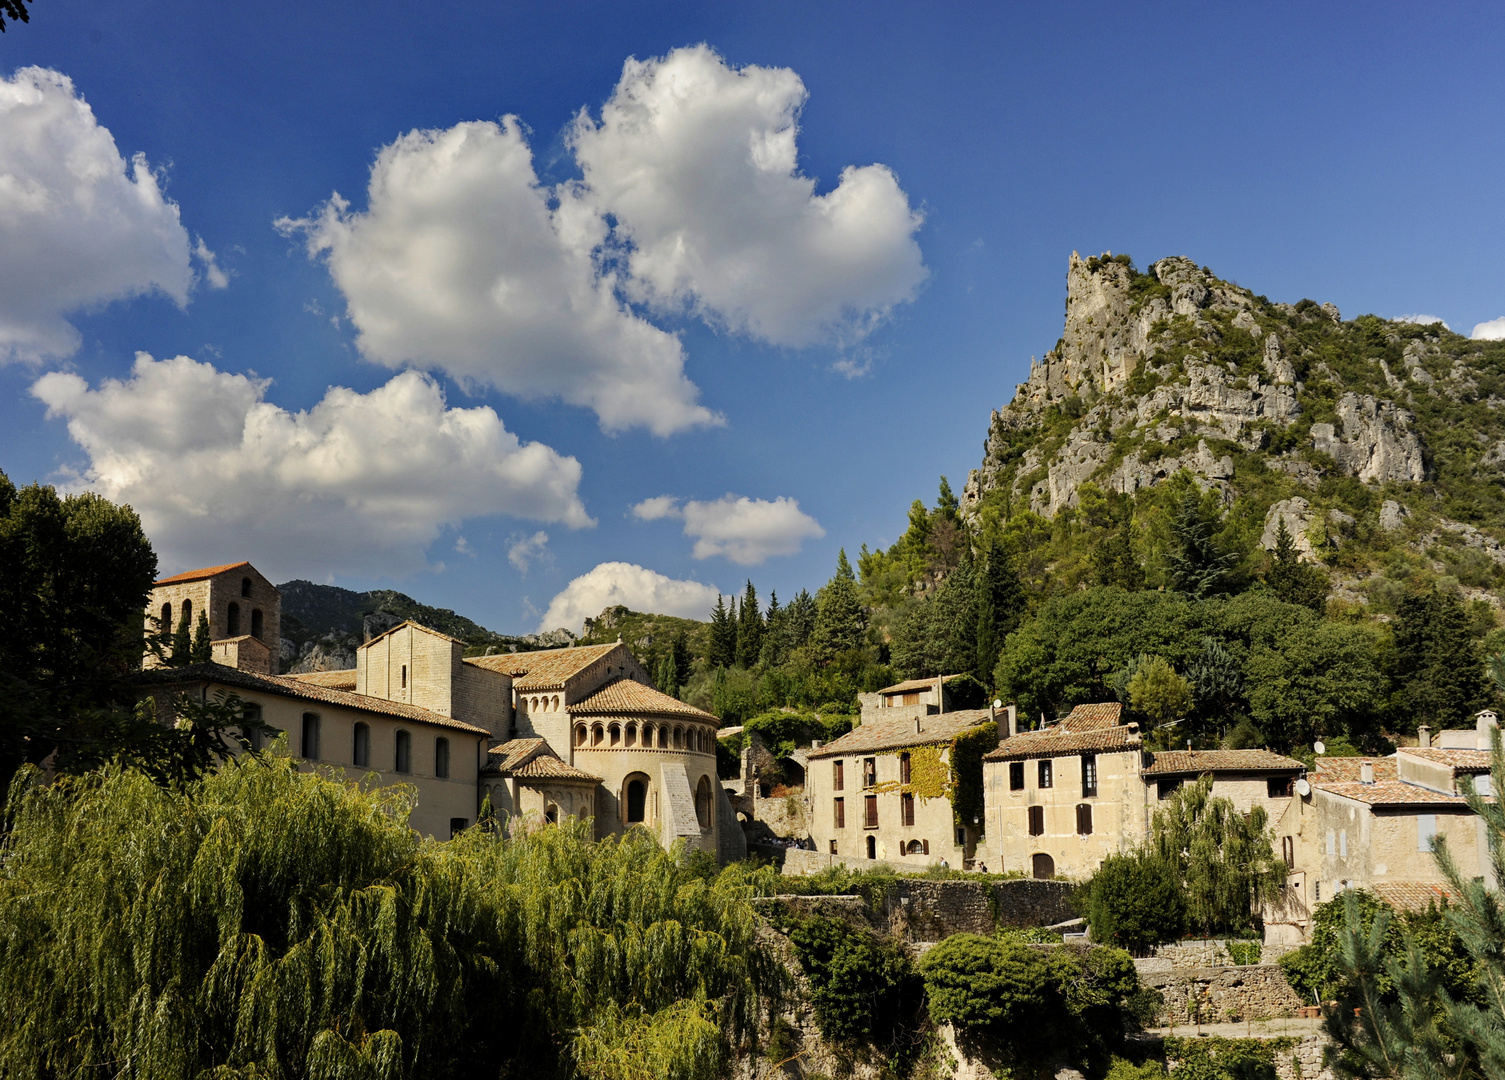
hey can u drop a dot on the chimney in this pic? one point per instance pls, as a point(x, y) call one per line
point(916, 725)
point(1013, 724)
point(814, 744)
point(1487, 721)
point(1423, 737)
point(1366, 773)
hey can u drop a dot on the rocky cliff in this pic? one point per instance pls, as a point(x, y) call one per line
point(1394, 427)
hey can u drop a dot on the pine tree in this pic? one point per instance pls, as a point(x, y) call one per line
point(200, 652)
point(1114, 561)
point(775, 634)
point(749, 630)
point(1292, 580)
point(1442, 681)
point(801, 619)
point(839, 619)
point(946, 505)
point(1000, 609)
point(721, 648)
point(1197, 566)
point(182, 643)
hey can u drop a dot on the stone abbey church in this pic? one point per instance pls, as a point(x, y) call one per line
point(575, 732)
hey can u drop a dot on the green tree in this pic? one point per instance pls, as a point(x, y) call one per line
point(1442, 681)
point(1114, 560)
point(863, 988)
point(201, 651)
point(75, 574)
point(749, 629)
point(1001, 607)
point(182, 641)
point(721, 648)
point(1224, 859)
point(1292, 580)
point(1197, 565)
point(839, 619)
point(1157, 692)
point(939, 635)
point(1134, 901)
point(1216, 681)
point(802, 610)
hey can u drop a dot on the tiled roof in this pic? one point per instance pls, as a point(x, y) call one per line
point(1196, 762)
point(1339, 769)
point(335, 680)
point(297, 688)
point(1467, 761)
point(546, 669)
point(1094, 717)
point(199, 575)
point(416, 626)
point(877, 735)
point(1053, 741)
point(915, 684)
point(532, 759)
point(1413, 895)
point(630, 697)
point(1390, 793)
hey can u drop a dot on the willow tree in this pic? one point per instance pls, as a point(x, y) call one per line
point(1225, 860)
point(270, 923)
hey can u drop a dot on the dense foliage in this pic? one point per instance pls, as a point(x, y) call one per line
point(863, 987)
point(1134, 901)
point(266, 922)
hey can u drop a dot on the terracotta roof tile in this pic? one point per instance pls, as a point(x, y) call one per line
point(1053, 741)
point(415, 625)
point(629, 697)
point(1094, 717)
point(915, 684)
point(1413, 895)
point(1195, 762)
point(1390, 793)
point(548, 767)
point(306, 691)
point(545, 669)
point(335, 680)
point(514, 752)
point(199, 575)
point(878, 735)
point(532, 759)
point(1340, 769)
point(1466, 761)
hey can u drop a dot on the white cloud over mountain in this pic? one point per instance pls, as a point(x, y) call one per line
point(358, 484)
point(691, 201)
point(697, 162)
point(78, 225)
point(1493, 330)
point(1422, 320)
point(746, 531)
point(635, 586)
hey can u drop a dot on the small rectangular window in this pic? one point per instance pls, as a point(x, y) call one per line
point(404, 683)
point(870, 809)
point(1089, 776)
point(1045, 777)
point(1426, 830)
point(833, 847)
point(252, 735)
point(457, 826)
point(309, 746)
point(441, 758)
point(1037, 821)
point(1332, 842)
point(1279, 787)
point(1164, 789)
point(869, 772)
point(961, 836)
point(402, 757)
point(837, 775)
point(839, 813)
point(1016, 776)
point(903, 768)
point(906, 808)
point(1084, 819)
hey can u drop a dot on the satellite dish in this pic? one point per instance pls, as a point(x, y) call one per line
point(1319, 746)
point(997, 703)
point(1303, 788)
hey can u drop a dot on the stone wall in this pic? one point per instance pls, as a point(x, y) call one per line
point(1216, 995)
point(1304, 1062)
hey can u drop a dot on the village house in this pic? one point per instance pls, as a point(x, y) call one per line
point(1062, 799)
point(574, 732)
point(906, 700)
point(879, 791)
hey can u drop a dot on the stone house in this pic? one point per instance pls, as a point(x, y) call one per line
point(906, 700)
point(244, 610)
point(879, 791)
point(557, 732)
point(1062, 799)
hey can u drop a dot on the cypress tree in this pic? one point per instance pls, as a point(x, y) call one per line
point(801, 619)
point(1000, 609)
point(200, 651)
point(721, 648)
point(749, 629)
point(182, 643)
point(839, 618)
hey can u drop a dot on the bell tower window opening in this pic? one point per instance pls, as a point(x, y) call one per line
point(232, 620)
point(256, 623)
point(245, 586)
point(404, 677)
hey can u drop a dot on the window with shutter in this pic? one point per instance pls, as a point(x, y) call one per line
point(903, 768)
point(870, 812)
point(906, 806)
point(839, 813)
point(869, 772)
point(1037, 820)
point(1045, 777)
point(1089, 776)
point(837, 775)
point(1084, 819)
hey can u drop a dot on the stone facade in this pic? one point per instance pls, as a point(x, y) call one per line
point(239, 602)
point(1216, 995)
point(930, 910)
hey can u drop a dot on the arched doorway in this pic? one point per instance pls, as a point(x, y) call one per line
point(872, 847)
point(1043, 866)
point(637, 801)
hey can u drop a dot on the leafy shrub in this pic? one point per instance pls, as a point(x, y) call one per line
point(1244, 952)
point(863, 987)
point(1124, 1069)
point(1216, 1058)
point(1134, 901)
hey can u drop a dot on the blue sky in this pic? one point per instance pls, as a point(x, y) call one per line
point(729, 332)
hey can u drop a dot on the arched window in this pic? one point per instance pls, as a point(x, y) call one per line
point(362, 748)
point(703, 802)
point(648, 735)
point(597, 734)
point(441, 758)
point(256, 625)
point(637, 800)
point(245, 586)
point(663, 738)
point(309, 744)
point(679, 738)
point(1042, 866)
point(551, 815)
point(402, 759)
point(232, 620)
point(632, 735)
point(556, 702)
point(616, 734)
point(166, 628)
point(872, 847)
point(188, 613)
point(579, 734)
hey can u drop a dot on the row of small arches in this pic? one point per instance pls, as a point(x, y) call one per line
point(232, 619)
point(661, 736)
point(533, 704)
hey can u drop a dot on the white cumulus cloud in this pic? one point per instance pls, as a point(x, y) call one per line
point(697, 162)
point(523, 551)
point(1494, 330)
point(635, 586)
point(358, 484)
point(746, 531)
point(79, 226)
point(461, 262)
point(1422, 320)
point(692, 201)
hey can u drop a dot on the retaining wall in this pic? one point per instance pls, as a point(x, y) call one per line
point(1218, 995)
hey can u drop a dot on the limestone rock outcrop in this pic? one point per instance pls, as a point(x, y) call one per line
point(1373, 440)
